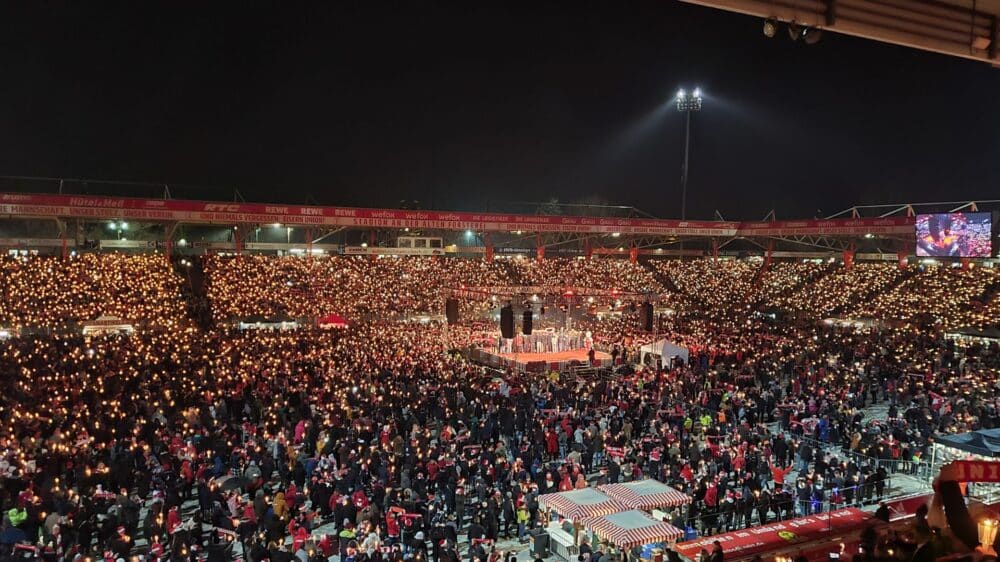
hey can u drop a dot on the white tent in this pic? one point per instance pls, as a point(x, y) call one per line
point(269, 325)
point(107, 324)
point(856, 323)
point(665, 350)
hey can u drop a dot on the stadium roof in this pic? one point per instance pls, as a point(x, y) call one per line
point(958, 28)
point(24, 205)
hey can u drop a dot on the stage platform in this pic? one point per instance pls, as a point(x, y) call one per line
point(543, 362)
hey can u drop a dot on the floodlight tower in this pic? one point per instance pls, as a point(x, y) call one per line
point(686, 103)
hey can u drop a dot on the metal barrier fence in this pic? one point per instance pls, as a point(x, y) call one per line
point(724, 519)
point(923, 469)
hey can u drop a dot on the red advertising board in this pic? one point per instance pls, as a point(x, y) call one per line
point(906, 507)
point(24, 205)
point(782, 534)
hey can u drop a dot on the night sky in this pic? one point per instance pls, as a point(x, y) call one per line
point(470, 105)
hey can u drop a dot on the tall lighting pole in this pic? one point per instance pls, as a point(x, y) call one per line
point(686, 103)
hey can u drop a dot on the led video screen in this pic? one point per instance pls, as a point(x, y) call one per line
point(956, 235)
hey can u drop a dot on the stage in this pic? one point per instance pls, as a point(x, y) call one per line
point(543, 362)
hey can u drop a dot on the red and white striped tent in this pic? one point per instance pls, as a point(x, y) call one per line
point(578, 504)
point(645, 494)
point(631, 528)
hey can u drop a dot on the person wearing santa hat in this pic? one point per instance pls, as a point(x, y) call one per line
point(121, 545)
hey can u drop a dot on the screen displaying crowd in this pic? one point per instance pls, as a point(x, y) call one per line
point(954, 235)
point(380, 441)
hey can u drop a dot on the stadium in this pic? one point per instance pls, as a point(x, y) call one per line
point(189, 374)
point(841, 348)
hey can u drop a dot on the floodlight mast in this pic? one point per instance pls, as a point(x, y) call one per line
point(686, 103)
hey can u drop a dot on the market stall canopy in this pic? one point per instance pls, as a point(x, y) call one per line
point(105, 324)
point(665, 349)
point(984, 442)
point(645, 494)
point(332, 321)
point(577, 504)
point(632, 528)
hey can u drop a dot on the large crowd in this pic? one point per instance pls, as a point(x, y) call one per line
point(189, 440)
point(48, 293)
point(356, 285)
point(937, 293)
point(842, 289)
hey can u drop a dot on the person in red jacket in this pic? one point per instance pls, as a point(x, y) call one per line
point(291, 495)
point(248, 513)
point(686, 473)
point(173, 519)
point(712, 495)
point(565, 485)
point(392, 524)
point(551, 443)
point(778, 475)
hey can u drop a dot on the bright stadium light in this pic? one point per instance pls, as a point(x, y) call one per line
point(124, 226)
point(468, 234)
point(112, 225)
point(689, 102)
point(686, 104)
